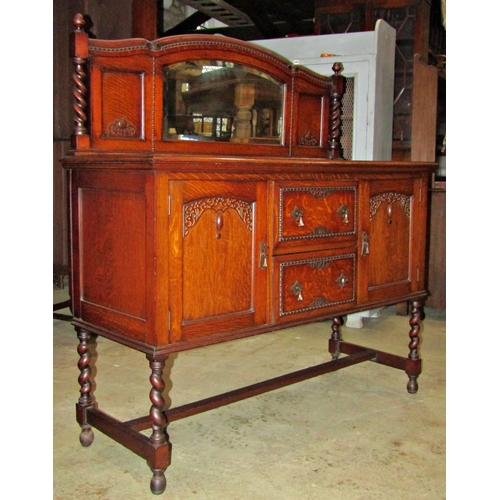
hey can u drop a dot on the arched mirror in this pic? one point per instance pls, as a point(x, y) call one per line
point(207, 100)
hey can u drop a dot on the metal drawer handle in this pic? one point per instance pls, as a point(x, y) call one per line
point(297, 215)
point(297, 288)
point(263, 255)
point(365, 244)
point(343, 211)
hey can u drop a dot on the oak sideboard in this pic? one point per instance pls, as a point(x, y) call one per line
point(209, 201)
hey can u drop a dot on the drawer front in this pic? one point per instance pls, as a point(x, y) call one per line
point(314, 282)
point(312, 213)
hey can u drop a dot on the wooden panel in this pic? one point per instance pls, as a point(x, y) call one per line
point(437, 250)
point(60, 213)
point(112, 261)
point(217, 260)
point(118, 122)
point(122, 118)
point(424, 112)
point(113, 253)
point(309, 126)
point(390, 214)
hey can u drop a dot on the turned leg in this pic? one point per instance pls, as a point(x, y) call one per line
point(413, 367)
point(86, 399)
point(333, 344)
point(159, 437)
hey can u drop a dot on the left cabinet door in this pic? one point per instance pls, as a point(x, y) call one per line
point(218, 267)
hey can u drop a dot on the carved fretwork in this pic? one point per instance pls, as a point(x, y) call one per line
point(390, 198)
point(320, 231)
point(320, 302)
point(194, 210)
point(319, 263)
point(121, 127)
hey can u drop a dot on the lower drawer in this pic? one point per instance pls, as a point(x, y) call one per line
point(314, 283)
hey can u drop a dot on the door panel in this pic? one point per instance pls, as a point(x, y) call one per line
point(390, 217)
point(215, 260)
point(392, 238)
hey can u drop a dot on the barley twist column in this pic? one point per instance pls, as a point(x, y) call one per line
point(86, 399)
point(79, 56)
point(413, 355)
point(335, 339)
point(159, 436)
point(338, 89)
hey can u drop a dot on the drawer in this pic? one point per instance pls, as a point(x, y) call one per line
point(315, 213)
point(314, 282)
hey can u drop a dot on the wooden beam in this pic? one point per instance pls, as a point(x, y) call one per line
point(144, 19)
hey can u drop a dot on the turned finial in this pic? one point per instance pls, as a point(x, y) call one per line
point(337, 67)
point(78, 22)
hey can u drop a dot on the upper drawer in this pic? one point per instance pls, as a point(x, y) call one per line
point(314, 213)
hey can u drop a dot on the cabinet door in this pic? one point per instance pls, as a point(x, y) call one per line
point(218, 271)
point(392, 239)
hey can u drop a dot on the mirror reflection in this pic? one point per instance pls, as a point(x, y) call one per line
point(207, 100)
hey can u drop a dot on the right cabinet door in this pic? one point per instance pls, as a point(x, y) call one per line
point(392, 238)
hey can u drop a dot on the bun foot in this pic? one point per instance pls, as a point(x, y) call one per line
point(412, 385)
point(158, 481)
point(87, 436)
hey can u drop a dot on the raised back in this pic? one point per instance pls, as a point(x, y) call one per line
point(201, 94)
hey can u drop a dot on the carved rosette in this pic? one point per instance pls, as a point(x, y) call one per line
point(121, 127)
point(390, 198)
point(195, 209)
point(308, 139)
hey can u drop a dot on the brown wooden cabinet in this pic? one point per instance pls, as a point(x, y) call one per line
point(182, 237)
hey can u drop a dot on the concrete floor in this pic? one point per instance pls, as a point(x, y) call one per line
point(352, 434)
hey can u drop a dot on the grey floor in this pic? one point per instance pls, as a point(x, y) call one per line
point(351, 434)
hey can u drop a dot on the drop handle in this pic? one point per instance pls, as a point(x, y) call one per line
point(365, 244)
point(263, 255)
point(343, 211)
point(297, 288)
point(297, 214)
